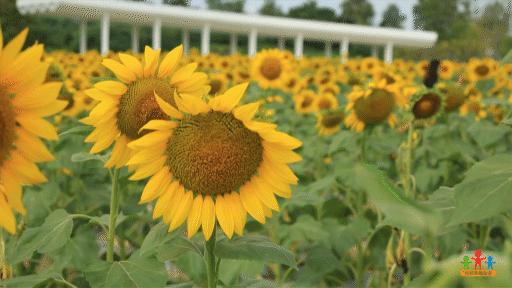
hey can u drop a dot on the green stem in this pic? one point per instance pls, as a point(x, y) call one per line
point(407, 163)
point(210, 261)
point(363, 145)
point(114, 211)
point(2, 256)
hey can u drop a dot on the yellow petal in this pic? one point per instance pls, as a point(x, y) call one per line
point(155, 186)
point(246, 112)
point(38, 126)
point(183, 74)
point(208, 217)
point(265, 194)
point(164, 200)
point(191, 104)
point(230, 99)
point(31, 147)
point(11, 50)
point(111, 87)
point(150, 139)
point(223, 212)
point(132, 63)
point(122, 73)
point(238, 211)
point(146, 170)
point(251, 202)
point(194, 217)
point(170, 61)
point(159, 125)
point(182, 211)
point(7, 220)
point(168, 108)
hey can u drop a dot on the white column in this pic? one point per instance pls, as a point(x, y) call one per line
point(186, 41)
point(205, 39)
point(105, 34)
point(388, 53)
point(328, 49)
point(83, 37)
point(375, 51)
point(135, 39)
point(344, 50)
point(157, 34)
point(281, 43)
point(233, 43)
point(299, 45)
point(253, 42)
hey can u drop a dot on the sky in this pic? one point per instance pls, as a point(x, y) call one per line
point(379, 6)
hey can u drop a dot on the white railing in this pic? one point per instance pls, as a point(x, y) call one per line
point(158, 15)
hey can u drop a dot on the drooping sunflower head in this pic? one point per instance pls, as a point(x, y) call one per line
point(269, 68)
point(213, 162)
point(453, 95)
point(329, 123)
point(426, 104)
point(25, 99)
point(125, 106)
point(372, 105)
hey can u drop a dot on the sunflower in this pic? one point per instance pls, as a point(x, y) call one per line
point(446, 69)
point(329, 123)
point(269, 68)
point(475, 106)
point(127, 105)
point(218, 83)
point(480, 69)
point(332, 88)
point(453, 96)
point(24, 100)
point(305, 101)
point(213, 162)
point(326, 101)
point(427, 104)
point(372, 106)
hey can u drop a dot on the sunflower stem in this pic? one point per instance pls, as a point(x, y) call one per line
point(210, 261)
point(114, 210)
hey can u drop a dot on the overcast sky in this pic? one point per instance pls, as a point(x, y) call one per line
point(252, 6)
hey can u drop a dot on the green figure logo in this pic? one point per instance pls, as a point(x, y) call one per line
point(466, 262)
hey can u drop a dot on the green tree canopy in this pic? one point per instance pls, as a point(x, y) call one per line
point(310, 10)
point(227, 5)
point(357, 12)
point(270, 8)
point(393, 17)
point(439, 16)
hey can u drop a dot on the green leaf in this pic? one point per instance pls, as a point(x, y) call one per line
point(105, 219)
point(233, 271)
point(486, 134)
point(508, 58)
point(136, 273)
point(84, 156)
point(319, 262)
point(157, 237)
point(400, 212)
point(345, 237)
point(176, 248)
point(52, 235)
point(485, 192)
point(29, 281)
point(254, 248)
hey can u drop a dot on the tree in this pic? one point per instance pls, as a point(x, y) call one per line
point(178, 2)
point(310, 10)
point(393, 17)
point(227, 5)
point(270, 8)
point(493, 24)
point(439, 16)
point(357, 12)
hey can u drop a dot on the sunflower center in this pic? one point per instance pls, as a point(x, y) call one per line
point(213, 153)
point(138, 105)
point(375, 108)
point(7, 126)
point(332, 120)
point(427, 106)
point(482, 70)
point(306, 102)
point(324, 103)
point(271, 68)
point(216, 85)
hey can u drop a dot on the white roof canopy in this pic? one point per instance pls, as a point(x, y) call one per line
point(146, 13)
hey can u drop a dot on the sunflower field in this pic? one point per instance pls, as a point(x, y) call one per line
point(163, 169)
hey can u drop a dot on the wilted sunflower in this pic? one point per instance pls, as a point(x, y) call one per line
point(127, 105)
point(373, 105)
point(24, 100)
point(211, 162)
point(329, 123)
point(269, 68)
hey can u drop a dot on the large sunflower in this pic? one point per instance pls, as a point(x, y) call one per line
point(24, 100)
point(127, 105)
point(270, 68)
point(213, 162)
point(373, 105)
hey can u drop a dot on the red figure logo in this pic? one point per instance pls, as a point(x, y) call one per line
point(478, 259)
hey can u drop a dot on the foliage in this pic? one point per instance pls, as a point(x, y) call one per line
point(392, 17)
point(310, 10)
point(357, 12)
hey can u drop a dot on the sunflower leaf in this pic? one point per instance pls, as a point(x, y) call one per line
point(254, 248)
